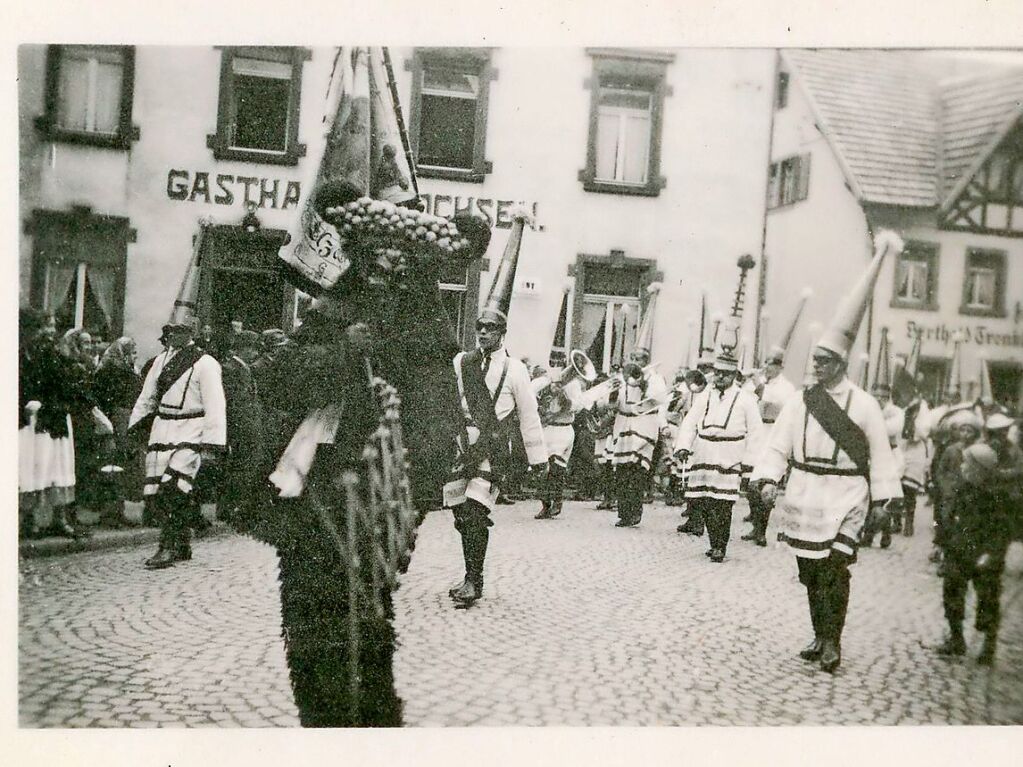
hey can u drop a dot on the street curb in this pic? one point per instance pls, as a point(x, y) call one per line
point(102, 540)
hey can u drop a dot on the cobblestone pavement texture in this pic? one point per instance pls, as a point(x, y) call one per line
point(581, 624)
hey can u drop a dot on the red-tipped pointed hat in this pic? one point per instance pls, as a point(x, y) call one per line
point(840, 335)
point(883, 369)
point(777, 351)
point(954, 382)
point(498, 302)
point(645, 335)
point(183, 313)
point(987, 396)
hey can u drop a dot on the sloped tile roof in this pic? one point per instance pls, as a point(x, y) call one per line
point(885, 113)
point(976, 110)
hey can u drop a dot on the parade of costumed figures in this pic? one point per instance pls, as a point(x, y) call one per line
point(374, 353)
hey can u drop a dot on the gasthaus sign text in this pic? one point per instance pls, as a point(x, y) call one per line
point(228, 189)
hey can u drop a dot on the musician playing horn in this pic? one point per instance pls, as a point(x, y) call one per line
point(559, 404)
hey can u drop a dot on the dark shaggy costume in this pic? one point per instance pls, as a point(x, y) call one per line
point(336, 684)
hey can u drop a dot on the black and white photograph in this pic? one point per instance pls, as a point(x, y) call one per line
point(485, 385)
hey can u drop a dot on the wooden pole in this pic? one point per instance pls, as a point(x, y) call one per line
point(401, 120)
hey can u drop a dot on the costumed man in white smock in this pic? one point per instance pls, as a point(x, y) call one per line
point(697, 382)
point(638, 422)
point(831, 438)
point(719, 439)
point(558, 404)
point(491, 385)
point(183, 400)
point(914, 439)
point(878, 519)
point(775, 390)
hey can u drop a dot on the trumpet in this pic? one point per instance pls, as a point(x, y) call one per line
point(595, 394)
point(579, 366)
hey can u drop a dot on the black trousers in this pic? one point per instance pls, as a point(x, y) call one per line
point(717, 515)
point(959, 570)
point(760, 513)
point(630, 483)
point(827, 590)
point(909, 495)
point(473, 523)
point(175, 512)
point(552, 492)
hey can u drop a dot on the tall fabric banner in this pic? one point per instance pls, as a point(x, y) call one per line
point(363, 149)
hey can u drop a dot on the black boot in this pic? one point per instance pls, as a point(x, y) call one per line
point(831, 655)
point(472, 589)
point(955, 644)
point(460, 527)
point(987, 652)
point(813, 650)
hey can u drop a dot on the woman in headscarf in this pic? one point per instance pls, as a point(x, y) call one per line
point(115, 387)
point(90, 429)
point(51, 389)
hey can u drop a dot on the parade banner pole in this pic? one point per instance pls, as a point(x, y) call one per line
point(392, 86)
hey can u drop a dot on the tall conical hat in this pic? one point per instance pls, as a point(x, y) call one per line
point(883, 370)
point(986, 396)
point(687, 360)
point(499, 299)
point(815, 335)
point(183, 312)
point(778, 350)
point(839, 337)
point(864, 371)
point(954, 383)
point(645, 335)
point(560, 322)
point(913, 360)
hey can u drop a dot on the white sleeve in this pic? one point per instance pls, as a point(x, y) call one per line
point(529, 414)
point(211, 389)
point(885, 480)
point(773, 459)
point(687, 429)
point(754, 428)
point(147, 401)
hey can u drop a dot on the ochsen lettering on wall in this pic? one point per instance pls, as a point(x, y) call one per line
point(496, 212)
point(227, 189)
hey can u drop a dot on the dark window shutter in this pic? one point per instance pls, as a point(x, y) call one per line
point(803, 188)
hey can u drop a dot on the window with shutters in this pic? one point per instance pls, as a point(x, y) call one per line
point(788, 181)
point(448, 112)
point(78, 269)
point(459, 292)
point(89, 94)
point(984, 283)
point(916, 277)
point(623, 153)
point(257, 115)
point(605, 316)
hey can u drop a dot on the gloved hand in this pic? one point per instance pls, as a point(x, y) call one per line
point(768, 493)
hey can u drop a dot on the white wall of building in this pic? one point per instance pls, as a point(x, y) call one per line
point(710, 212)
point(821, 242)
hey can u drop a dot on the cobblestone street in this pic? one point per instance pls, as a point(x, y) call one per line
point(582, 624)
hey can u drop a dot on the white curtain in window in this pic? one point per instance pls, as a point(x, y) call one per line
point(73, 94)
point(637, 148)
point(59, 276)
point(103, 283)
point(607, 144)
point(108, 97)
